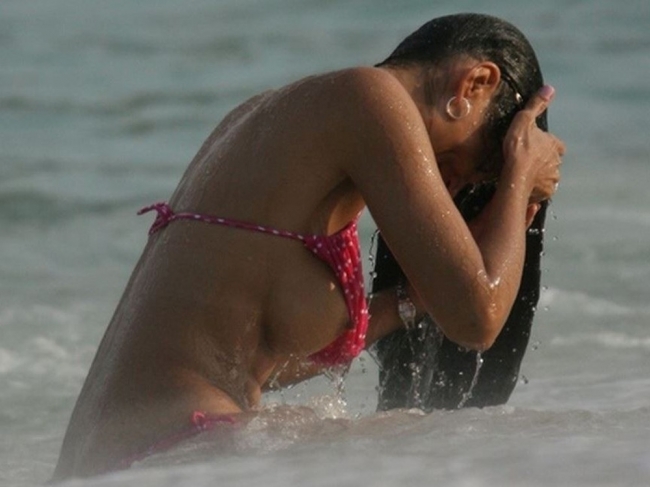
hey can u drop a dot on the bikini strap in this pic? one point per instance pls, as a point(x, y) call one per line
point(165, 215)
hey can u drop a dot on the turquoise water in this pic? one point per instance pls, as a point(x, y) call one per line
point(103, 104)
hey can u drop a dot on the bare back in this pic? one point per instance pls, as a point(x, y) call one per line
point(211, 311)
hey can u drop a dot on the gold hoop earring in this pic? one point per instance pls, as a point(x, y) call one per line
point(457, 116)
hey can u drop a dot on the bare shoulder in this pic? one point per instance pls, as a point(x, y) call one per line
point(363, 108)
point(375, 90)
point(382, 121)
point(366, 79)
point(246, 107)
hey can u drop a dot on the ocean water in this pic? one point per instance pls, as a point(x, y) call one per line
point(102, 104)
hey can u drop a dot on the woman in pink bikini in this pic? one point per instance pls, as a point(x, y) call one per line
point(252, 267)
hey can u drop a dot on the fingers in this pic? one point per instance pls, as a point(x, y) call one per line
point(534, 151)
point(531, 211)
point(546, 92)
point(540, 101)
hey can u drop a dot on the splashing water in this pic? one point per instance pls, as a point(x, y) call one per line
point(468, 394)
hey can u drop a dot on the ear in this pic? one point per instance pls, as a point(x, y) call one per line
point(480, 81)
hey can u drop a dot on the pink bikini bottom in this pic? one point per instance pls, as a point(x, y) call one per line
point(200, 422)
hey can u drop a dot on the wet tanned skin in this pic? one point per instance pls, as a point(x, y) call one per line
point(211, 312)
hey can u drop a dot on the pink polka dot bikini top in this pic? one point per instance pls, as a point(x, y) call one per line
point(340, 251)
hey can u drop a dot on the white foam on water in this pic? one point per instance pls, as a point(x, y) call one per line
point(590, 305)
point(8, 361)
point(530, 448)
point(615, 340)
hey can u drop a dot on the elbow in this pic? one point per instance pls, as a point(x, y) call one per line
point(478, 334)
point(480, 345)
point(475, 323)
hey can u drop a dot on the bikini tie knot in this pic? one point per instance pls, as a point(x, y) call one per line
point(164, 215)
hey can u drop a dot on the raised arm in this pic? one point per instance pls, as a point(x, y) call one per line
point(467, 284)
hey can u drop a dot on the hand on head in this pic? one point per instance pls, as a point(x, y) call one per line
point(533, 152)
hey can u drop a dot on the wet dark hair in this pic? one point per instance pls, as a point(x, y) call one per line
point(418, 367)
point(484, 38)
